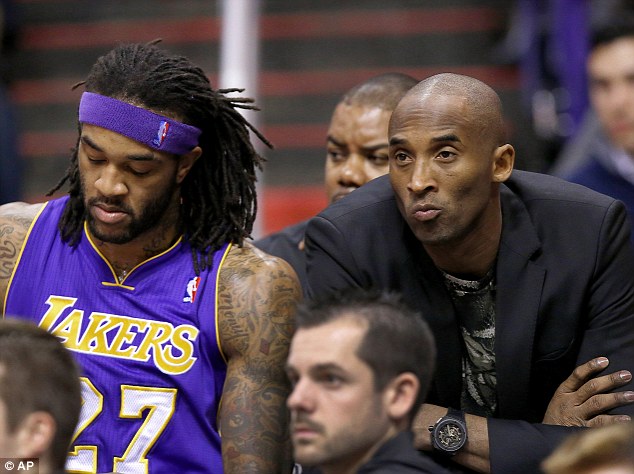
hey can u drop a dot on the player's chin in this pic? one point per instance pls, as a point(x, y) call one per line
point(109, 234)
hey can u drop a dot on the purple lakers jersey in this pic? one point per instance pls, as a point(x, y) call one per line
point(148, 348)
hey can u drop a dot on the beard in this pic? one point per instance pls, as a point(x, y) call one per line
point(150, 216)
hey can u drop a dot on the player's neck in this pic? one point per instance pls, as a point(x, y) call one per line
point(124, 257)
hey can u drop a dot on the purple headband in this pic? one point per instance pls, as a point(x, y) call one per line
point(157, 132)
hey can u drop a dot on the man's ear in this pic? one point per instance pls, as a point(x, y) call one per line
point(35, 435)
point(400, 396)
point(186, 162)
point(503, 161)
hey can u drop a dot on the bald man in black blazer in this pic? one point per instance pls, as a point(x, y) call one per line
point(521, 276)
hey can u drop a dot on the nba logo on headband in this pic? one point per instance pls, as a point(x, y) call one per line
point(161, 134)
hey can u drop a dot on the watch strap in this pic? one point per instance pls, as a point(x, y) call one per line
point(458, 414)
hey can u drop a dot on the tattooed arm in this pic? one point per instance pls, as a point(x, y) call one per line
point(257, 299)
point(15, 219)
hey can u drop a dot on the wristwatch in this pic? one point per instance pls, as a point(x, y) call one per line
point(449, 434)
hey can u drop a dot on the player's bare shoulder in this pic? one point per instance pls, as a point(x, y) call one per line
point(255, 288)
point(247, 265)
point(15, 220)
point(257, 299)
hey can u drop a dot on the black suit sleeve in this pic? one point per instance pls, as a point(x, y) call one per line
point(330, 263)
point(607, 330)
point(518, 447)
point(610, 326)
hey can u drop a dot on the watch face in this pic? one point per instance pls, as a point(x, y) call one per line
point(450, 435)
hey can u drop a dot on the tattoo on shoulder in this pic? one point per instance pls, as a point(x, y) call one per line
point(13, 229)
point(257, 300)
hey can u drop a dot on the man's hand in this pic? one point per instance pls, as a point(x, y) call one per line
point(582, 400)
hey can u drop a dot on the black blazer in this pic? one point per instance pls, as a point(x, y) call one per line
point(565, 294)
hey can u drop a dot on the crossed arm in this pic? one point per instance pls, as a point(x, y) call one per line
point(580, 400)
point(257, 299)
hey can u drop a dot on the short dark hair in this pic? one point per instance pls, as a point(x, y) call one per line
point(218, 194)
point(617, 28)
point(383, 91)
point(397, 340)
point(37, 373)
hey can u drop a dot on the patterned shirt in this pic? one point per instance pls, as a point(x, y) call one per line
point(474, 302)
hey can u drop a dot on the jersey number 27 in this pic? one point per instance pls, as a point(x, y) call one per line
point(160, 403)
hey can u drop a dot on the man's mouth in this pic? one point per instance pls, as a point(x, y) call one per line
point(425, 212)
point(108, 214)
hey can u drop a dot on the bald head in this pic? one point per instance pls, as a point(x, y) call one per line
point(483, 105)
point(447, 159)
point(383, 91)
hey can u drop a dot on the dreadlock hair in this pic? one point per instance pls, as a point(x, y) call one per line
point(218, 194)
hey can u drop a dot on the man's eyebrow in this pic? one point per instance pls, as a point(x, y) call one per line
point(148, 156)
point(375, 147)
point(87, 140)
point(450, 137)
point(327, 366)
point(338, 143)
point(397, 141)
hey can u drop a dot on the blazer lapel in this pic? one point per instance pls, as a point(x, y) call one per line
point(519, 284)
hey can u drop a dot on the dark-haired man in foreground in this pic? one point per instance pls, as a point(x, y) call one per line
point(352, 405)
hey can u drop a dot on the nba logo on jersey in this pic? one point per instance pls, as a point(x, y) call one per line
point(161, 134)
point(192, 288)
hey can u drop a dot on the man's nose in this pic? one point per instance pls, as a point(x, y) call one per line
point(353, 171)
point(110, 182)
point(422, 178)
point(300, 398)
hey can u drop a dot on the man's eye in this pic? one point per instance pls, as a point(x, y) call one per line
point(332, 380)
point(401, 157)
point(446, 155)
point(378, 160)
point(335, 155)
point(139, 173)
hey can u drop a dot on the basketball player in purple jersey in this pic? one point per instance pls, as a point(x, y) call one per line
point(181, 327)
